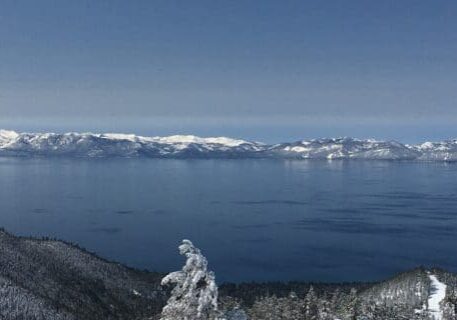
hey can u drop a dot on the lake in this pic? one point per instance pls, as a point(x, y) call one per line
point(255, 220)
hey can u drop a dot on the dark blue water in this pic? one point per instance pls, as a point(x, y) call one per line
point(254, 219)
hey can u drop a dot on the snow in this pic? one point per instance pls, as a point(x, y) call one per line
point(427, 145)
point(8, 134)
point(131, 145)
point(186, 139)
point(195, 293)
point(438, 293)
point(296, 149)
point(6, 137)
point(119, 136)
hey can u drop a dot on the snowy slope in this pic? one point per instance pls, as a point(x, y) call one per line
point(346, 148)
point(446, 150)
point(188, 146)
point(53, 280)
point(436, 296)
point(120, 145)
point(7, 137)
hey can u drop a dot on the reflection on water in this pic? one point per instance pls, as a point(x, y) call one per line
point(254, 219)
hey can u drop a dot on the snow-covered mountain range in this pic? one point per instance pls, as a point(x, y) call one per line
point(186, 146)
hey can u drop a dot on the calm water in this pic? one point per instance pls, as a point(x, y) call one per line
point(254, 219)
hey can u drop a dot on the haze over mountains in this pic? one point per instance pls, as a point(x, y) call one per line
point(90, 145)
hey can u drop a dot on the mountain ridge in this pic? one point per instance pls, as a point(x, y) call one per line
point(103, 145)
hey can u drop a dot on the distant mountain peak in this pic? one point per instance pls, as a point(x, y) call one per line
point(75, 144)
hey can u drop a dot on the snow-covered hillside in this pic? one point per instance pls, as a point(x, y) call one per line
point(187, 146)
point(42, 279)
point(346, 148)
point(446, 150)
point(436, 297)
point(121, 145)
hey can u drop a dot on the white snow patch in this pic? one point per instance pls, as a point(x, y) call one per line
point(296, 149)
point(438, 293)
point(8, 134)
point(119, 136)
point(186, 139)
point(7, 137)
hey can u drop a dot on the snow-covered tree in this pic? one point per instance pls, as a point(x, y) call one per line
point(236, 314)
point(311, 305)
point(194, 296)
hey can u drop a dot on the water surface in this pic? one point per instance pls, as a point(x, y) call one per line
point(254, 219)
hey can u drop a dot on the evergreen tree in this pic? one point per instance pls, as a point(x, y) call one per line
point(311, 305)
point(194, 296)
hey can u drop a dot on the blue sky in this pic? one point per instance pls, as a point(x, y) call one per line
point(264, 70)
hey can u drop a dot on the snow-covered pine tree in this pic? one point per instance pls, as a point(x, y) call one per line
point(324, 308)
point(310, 305)
point(194, 296)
